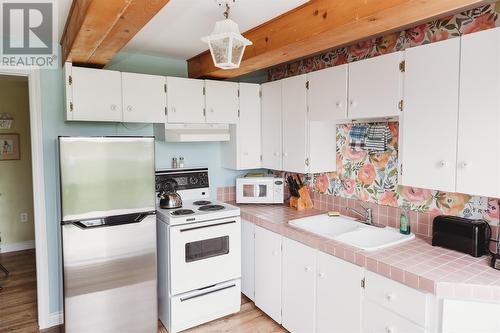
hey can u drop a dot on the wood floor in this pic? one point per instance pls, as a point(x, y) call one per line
point(18, 309)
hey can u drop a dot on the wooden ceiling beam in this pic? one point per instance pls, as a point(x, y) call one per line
point(98, 29)
point(319, 25)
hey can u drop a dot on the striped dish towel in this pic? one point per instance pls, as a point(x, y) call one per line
point(378, 138)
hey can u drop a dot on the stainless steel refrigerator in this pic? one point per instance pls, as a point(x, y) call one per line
point(108, 234)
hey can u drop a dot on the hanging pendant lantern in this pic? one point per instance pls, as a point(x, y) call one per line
point(226, 43)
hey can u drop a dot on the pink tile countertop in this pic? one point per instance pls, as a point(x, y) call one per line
point(416, 263)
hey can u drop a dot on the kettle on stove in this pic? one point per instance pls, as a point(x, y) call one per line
point(169, 198)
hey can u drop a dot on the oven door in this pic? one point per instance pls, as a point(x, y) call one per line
point(255, 192)
point(204, 254)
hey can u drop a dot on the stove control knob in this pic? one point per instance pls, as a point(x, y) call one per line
point(193, 180)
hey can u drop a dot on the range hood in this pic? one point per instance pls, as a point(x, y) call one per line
point(191, 132)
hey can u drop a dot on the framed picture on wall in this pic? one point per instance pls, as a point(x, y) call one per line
point(9, 147)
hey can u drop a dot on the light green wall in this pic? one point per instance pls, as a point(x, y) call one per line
point(16, 190)
point(195, 154)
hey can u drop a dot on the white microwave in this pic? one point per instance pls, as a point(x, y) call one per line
point(259, 190)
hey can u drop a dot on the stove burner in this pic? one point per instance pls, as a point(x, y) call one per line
point(182, 212)
point(211, 208)
point(201, 203)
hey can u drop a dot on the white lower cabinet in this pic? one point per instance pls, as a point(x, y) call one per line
point(467, 316)
point(299, 276)
point(377, 319)
point(268, 272)
point(338, 295)
point(321, 293)
point(392, 307)
point(248, 259)
point(308, 291)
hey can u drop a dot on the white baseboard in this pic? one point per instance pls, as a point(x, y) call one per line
point(55, 319)
point(26, 245)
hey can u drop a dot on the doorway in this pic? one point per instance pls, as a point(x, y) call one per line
point(32, 75)
point(17, 229)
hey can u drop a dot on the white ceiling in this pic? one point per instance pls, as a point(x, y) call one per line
point(63, 7)
point(176, 30)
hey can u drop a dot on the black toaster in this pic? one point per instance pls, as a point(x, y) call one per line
point(461, 234)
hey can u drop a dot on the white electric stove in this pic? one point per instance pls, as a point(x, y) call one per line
point(199, 253)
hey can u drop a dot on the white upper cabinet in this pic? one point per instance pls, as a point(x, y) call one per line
point(268, 272)
point(375, 87)
point(185, 100)
point(327, 94)
point(327, 103)
point(430, 116)
point(249, 126)
point(243, 150)
point(221, 102)
point(478, 160)
point(271, 125)
point(299, 276)
point(338, 300)
point(93, 94)
point(295, 124)
point(144, 98)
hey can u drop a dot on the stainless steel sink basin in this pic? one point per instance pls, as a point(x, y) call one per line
point(352, 232)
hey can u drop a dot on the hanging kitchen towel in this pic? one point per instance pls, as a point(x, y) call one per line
point(378, 138)
point(357, 135)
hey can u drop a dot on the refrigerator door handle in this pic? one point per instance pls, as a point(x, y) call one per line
point(112, 221)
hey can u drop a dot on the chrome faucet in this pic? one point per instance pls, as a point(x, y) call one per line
point(367, 216)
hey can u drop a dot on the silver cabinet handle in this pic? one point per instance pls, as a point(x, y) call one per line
point(207, 293)
point(114, 107)
point(207, 226)
point(130, 108)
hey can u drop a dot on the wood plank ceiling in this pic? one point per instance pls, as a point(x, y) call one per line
point(97, 29)
point(324, 24)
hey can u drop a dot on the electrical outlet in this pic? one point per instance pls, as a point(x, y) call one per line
point(24, 217)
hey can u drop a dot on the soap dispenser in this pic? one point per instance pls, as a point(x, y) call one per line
point(404, 222)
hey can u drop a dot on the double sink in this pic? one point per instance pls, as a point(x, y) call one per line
point(351, 232)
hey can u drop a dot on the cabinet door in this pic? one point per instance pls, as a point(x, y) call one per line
point(429, 120)
point(377, 319)
point(375, 87)
point(221, 102)
point(268, 272)
point(96, 95)
point(338, 300)
point(299, 277)
point(247, 259)
point(271, 125)
point(480, 316)
point(479, 115)
point(327, 103)
point(327, 94)
point(185, 100)
point(144, 98)
point(250, 146)
point(295, 124)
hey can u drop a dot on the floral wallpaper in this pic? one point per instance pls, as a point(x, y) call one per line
point(474, 20)
point(372, 177)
